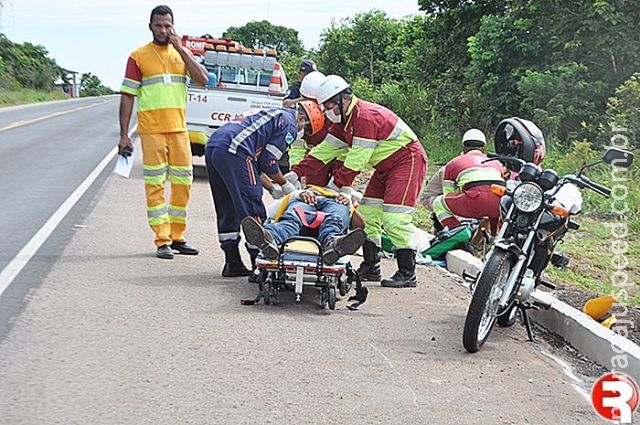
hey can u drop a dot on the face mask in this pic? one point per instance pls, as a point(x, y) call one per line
point(300, 134)
point(331, 116)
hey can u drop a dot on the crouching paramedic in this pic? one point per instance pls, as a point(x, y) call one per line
point(235, 155)
point(371, 134)
point(315, 212)
point(467, 184)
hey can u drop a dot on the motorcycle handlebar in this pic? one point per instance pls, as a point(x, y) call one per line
point(603, 190)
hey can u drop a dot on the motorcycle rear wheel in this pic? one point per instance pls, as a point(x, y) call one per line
point(483, 310)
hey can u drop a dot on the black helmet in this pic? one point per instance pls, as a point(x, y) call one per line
point(307, 66)
point(520, 138)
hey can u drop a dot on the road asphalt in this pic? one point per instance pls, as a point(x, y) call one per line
point(114, 335)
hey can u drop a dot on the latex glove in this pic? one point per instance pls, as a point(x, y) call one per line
point(277, 191)
point(345, 190)
point(293, 178)
point(288, 187)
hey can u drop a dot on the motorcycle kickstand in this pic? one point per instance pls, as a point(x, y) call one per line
point(527, 324)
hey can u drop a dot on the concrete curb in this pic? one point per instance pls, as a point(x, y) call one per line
point(600, 344)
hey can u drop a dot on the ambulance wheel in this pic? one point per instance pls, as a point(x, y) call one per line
point(331, 298)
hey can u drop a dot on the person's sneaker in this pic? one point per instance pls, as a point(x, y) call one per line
point(164, 252)
point(343, 245)
point(260, 237)
point(184, 248)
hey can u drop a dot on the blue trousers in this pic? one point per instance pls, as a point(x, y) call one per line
point(335, 223)
point(236, 190)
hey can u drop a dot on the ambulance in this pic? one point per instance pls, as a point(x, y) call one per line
point(240, 80)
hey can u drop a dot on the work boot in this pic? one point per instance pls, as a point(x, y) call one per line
point(233, 265)
point(184, 248)
point(343, 245)
point(369, 269)
point(258, 236)
point(164, 252)
point(405, 277)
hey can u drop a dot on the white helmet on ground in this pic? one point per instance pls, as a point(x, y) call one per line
point(331, 86)
point(311, 83)
point(474, 137)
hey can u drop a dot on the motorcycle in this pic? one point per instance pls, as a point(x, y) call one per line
point(536, 215)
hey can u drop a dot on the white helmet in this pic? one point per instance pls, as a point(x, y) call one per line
point(311, 83)
point(474, 135)
point(331, 86)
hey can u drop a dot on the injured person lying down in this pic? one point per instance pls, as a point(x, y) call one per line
point(314, 211)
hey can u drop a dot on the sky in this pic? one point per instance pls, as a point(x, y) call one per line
point(97, 36)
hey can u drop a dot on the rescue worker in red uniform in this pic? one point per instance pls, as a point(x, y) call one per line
point(467, 184)
point(367, 134)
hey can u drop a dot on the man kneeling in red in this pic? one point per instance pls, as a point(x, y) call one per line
point(467, 184)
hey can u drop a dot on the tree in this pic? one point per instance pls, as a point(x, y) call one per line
point(90, 85)
point(258, 34)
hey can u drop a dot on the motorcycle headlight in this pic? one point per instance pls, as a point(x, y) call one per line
point(528, 197)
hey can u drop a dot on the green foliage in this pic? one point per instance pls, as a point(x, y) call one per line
point(258, 34)
point(20, 96)
point(90, 85)
point(29, 65)
point(623, 110)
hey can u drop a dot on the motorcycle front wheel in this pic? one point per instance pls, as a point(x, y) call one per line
point(483, 310)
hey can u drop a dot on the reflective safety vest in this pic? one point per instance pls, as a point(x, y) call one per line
point(371, 134)
point(157, 75)
point(467, 170)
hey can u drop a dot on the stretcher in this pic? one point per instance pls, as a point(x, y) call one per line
point(299, 265)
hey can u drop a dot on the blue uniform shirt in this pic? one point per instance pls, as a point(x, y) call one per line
point(264, 136)
point(294, 91)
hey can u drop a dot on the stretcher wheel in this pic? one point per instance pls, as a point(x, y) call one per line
point(331, 298)
point(266, 293)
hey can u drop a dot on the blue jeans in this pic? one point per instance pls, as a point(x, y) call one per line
point(335, 223)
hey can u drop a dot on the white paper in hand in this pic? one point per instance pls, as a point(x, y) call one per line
point(124, 165)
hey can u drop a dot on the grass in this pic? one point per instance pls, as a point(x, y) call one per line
point(591, 249)
point(595, 254)
point(18, 97)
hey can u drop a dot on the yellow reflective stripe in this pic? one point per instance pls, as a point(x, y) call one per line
point(130, 86)
point(398, 209)
point(296, 154)
point(177, 214)
point(399, 229)
point(183, 181)
point(448, 186)
point(154, 79)
point(441, 209)
point(365, 143)
point(162, 96)
point(335, 142)
point(372, 202)
point(182, 175)
point(358, 157)
point(325, 152)
point(476, 174)
point(157, 215)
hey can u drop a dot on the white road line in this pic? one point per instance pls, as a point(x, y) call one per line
point(55, 114)
point(25, 255)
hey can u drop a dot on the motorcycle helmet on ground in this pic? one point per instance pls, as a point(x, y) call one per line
point(520, 138)
point(311, 83)
point(314, 116)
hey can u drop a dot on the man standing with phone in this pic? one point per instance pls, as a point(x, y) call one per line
point(156, 74)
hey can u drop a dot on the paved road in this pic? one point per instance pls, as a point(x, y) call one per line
point(112, 335)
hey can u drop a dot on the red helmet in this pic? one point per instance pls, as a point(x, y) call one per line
point(520, 138)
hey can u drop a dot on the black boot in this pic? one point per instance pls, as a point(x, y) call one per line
point(233, 265)
point(369, 269)
point(343, 245)
point(405, 277)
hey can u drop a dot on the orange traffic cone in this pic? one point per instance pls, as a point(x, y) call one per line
point(275, 84)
